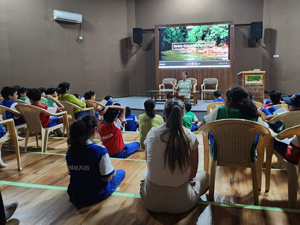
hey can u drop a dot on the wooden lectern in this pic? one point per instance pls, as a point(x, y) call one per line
point(254, 82)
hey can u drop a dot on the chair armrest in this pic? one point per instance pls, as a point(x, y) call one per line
point(202, 87)
point(7, 121)
point(13, 111)
point(216, 86)
point(274, 119)
point(161, 86)
point(288, 133)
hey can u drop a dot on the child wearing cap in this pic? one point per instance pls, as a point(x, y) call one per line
point(290, 147)
point(218, 96)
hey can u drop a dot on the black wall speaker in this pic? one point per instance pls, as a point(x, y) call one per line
point(137, 35)
point(256, 30)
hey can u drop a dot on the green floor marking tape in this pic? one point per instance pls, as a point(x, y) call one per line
point(131, 195)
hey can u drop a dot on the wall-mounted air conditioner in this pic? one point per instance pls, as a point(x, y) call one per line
point(67, 16)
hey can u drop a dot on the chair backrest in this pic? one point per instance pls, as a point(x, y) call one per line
point(259, 105)
point(262, 115)
point(281, 105)
point(3, 110)
point(193, 80)
point(167, 81)
point(290, 119)
point(94, 104)
point(212, 106)
point(31, 114)
point(69, 107)
point(234, 138)
point(210, 81)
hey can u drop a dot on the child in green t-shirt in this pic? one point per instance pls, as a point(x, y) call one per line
point(53, 93)
point(189, 119)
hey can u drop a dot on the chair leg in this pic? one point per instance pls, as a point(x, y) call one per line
point(16, 144)
point(254, 182)
point(270, 149)
point(212, 180)
point(45, 143)
point(26, 139)
point(10, 144)
point(293, 172)
point(259, 161)
point(43, 140)
point(201, 96)
point(37, 139)
point(206, 152)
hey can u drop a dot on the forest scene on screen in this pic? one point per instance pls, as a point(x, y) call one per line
point(203, 42)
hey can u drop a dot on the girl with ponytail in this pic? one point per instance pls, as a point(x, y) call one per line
point(171, 182)
point(92, 176)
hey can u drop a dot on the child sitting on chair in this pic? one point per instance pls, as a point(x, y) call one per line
point(34, 96)
point(111, 134)
point(218, 96)
point(22, 95)
point(53, 93)
point(189, 119)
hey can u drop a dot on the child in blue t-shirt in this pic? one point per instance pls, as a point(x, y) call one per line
point(132, 122)
point(218, 96)
point(93, 178)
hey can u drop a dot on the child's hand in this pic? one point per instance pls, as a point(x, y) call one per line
point(104, 110)
point(48, 97)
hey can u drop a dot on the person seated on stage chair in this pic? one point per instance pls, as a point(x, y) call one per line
point(34, 96)
point(148, 120)
point(132, 122)
point(218, 96)
point(93, 178)
point(184, 87)
point(10, 96)
point(64, 92)
point(172, 182)
point(111, 133)
point(189, 119)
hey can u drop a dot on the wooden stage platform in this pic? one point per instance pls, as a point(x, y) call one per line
point(40, 188)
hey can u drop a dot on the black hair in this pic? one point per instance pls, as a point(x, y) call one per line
point(178, 148)
point(149, 108)
point(186, 73)
point(76, 95)
point(110, 115)
point(80, 131)
point(7, 91)
point(250, 95)
point(188, 106)
point(63, 87)
point(17, 87)
point(88, 95)
point(128, 111)
point(34, 94)
point(50, 91)
point(117, 103)
point(107, 97)
point(218, 94)
point(275, 97)
point(42, 89)
point(240, 100)
point(22, 90)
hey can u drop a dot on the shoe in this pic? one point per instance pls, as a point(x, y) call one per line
point(117, 189)
point(2, 164)
point(10, 209)
point(20, 138)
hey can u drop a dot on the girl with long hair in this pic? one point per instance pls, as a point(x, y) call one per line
point(93, 178)
point(171, 182)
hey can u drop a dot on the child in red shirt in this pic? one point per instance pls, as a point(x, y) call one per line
point(111, 133)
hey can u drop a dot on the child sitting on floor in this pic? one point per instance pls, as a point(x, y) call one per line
point(132, 122)
point(111, 134)
point(34, 96)
point(218, 96)
point(189, 119)
point(92, 176)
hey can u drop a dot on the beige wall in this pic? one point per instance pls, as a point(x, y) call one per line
point(38, 51)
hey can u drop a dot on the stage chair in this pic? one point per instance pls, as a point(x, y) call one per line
point(259, 105)
point(212, 106)
point(11, 134)
point(208, 81)
point(289, 119)
point(69, 107)
point(31, 115)
point(292, 169)
point(234, 148)
point(194, 88)
point(166, 81)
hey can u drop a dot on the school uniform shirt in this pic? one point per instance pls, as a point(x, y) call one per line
point(223, 112)
point(44, 117)
point(157, 172)
point(111, 136)
point(50, 103)
point(188, 119)
point(12, 105)
point(184, 88)
point(131, 122)
point(86, 172)
point(218, 100)
point(25, 99)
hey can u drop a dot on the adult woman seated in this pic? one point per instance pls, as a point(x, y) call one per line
point(148, 120)
point(64, 95)
point(171, 182)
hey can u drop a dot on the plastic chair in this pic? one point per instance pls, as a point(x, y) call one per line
point(292, 169)
point(262, 115)
point(94, 104)
point(281, 105)
point(31, 114)
point(212, 106)
point(11, 134)
point(289, 119)
point(70, 107)
point(234, 138)
point(208, 81)
point(166, 81)
point(259, 105)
